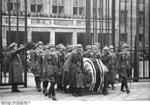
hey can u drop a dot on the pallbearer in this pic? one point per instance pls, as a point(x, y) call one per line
point(67, 63)
point(76, 71)
point(96, 54)
point(105, 60)
point(88, 51)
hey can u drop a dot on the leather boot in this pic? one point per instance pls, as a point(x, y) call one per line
point(113, 87)
point(127, 89)
point(39, 87)
point(49, 94)
point(105, 91)
point(15, 88)
point(122, 86)
point(45, 92)
point(54, 98)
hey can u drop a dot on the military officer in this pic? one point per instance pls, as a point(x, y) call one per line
point(123, 64)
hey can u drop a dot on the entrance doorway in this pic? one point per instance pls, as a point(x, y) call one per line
point(12, 37)
point(41, 36)
point(63, 38)
point(81, 39)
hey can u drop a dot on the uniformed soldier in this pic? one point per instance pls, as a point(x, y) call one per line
point(38, 65)
point(96, 54)
point(123, 64)
point(105, 60)
point(50, 62)
point(112, 65)
point(61, 61)
point(31, 57)
point(76, 76)
point(44, 69)
point(67, 63)
point(88, 51)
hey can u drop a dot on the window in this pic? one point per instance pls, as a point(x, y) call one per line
point(33, 8)
point(78, 7)
point(58, 6)
point(13, 6)
point(75, 10)
point(36, 7)
point(61, 9)
point(39, 8)
point(123, 17)
point(141, 14)
point(10, 6)
point(80, 10)
point(54, 9)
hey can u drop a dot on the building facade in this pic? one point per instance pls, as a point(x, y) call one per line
point(63, 21)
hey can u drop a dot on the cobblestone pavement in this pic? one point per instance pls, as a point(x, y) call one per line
point(139, 91)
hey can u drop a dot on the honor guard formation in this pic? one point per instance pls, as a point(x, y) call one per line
point(69, 68)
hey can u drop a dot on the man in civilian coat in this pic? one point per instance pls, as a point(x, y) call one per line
point(15, 64)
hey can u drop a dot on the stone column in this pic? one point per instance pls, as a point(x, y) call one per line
point(29, 35)
point(74, 38)
point(52, 37)
point(4, 36)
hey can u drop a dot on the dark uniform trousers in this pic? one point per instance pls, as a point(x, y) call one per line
point(51, 76)
point(65, 80)
point(38, 82)
point(37, 79)
point(51, 89)
point(45, 84)
point(76, 66)
point(123, 66)
point(124, 84)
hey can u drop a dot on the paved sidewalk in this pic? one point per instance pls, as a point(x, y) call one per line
point(139, 91)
